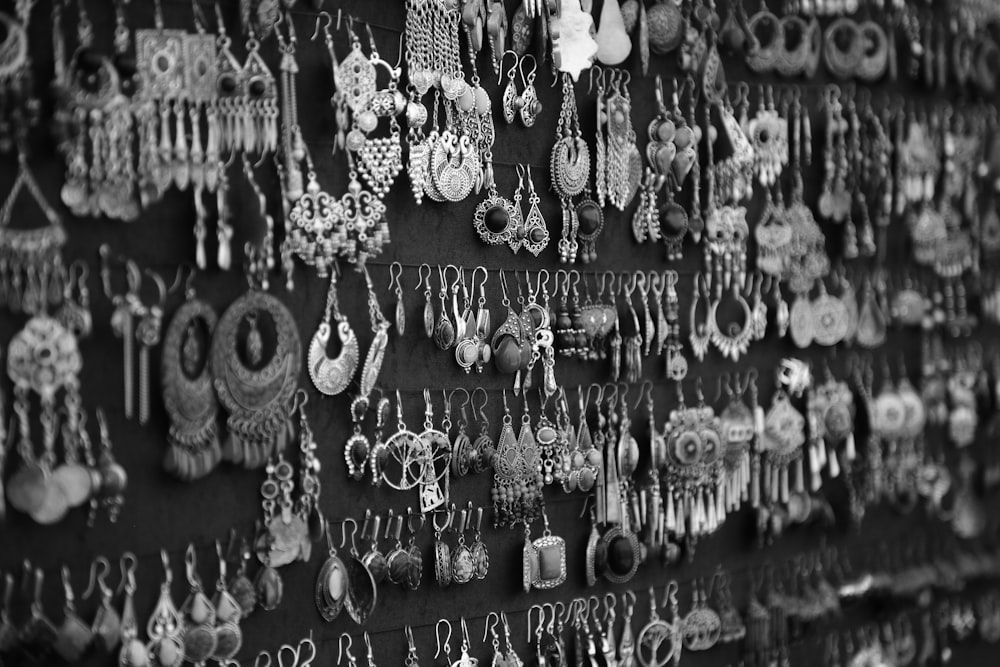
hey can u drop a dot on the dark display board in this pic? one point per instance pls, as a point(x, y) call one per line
point(163, 513)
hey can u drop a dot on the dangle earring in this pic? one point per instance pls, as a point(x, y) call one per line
point(74, 314)
point(626, 645)
point(442, 552)
point(228, 613)
point(510, 98)
point(528, 104)
point(148, 332)
point(483, 446)
point(535, 233)
point(332, 376)
point(395, 284)
point(188, 395)
point(497, 219)
point(198, 634)
point(73, 635)
point(331, 583)
point(165, 625)
point(444, 329)
point(133, 652)
point(424, 281)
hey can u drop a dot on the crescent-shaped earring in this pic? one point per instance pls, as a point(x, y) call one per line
point(332, 375)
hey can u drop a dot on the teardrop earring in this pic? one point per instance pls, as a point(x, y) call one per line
point(424, 280)
point(530, 107)
point(535, 231)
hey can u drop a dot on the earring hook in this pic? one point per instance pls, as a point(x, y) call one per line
point(437, 637)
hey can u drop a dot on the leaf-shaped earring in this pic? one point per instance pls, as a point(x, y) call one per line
point(510, 97)
point(536, 233)
point(530, 107)
point(444, 329)
point(395, 284)
point(425, 282)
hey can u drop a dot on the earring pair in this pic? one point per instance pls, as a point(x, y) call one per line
point(499, 220)
point(526, 104)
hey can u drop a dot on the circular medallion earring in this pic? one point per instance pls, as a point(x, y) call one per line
point(188, 394)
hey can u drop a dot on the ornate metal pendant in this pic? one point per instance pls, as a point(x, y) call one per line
point(257, 396)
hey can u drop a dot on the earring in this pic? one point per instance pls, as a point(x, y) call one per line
point(544, 559)
point(240, 586)
point(133, 652)
point(442, 553)
point(331, 583)
point(462, 564)
point(257, 400)
point(188, 394)
point(483, 447)
point(497, 219)
point(331, 376)
point(229, 636)
point(444, 330)
point(509, 100)
point(395, 284)
point(114, 479)
point(425, 282)
point(530, 106)
point(73, 635)
point(374, 560)
point(165, 626)
point(198, 633)
point(480, 556)
point(74, 314)
point(535, 232)
point(362, 593)
point(513, 660)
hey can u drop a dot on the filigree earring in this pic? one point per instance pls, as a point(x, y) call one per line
point(497, 219)
point(535, 233)
point(544, 559)
point(188, 394)
point(529, 106)
point(510, 98)
point(165, 625)
point(255, 395)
